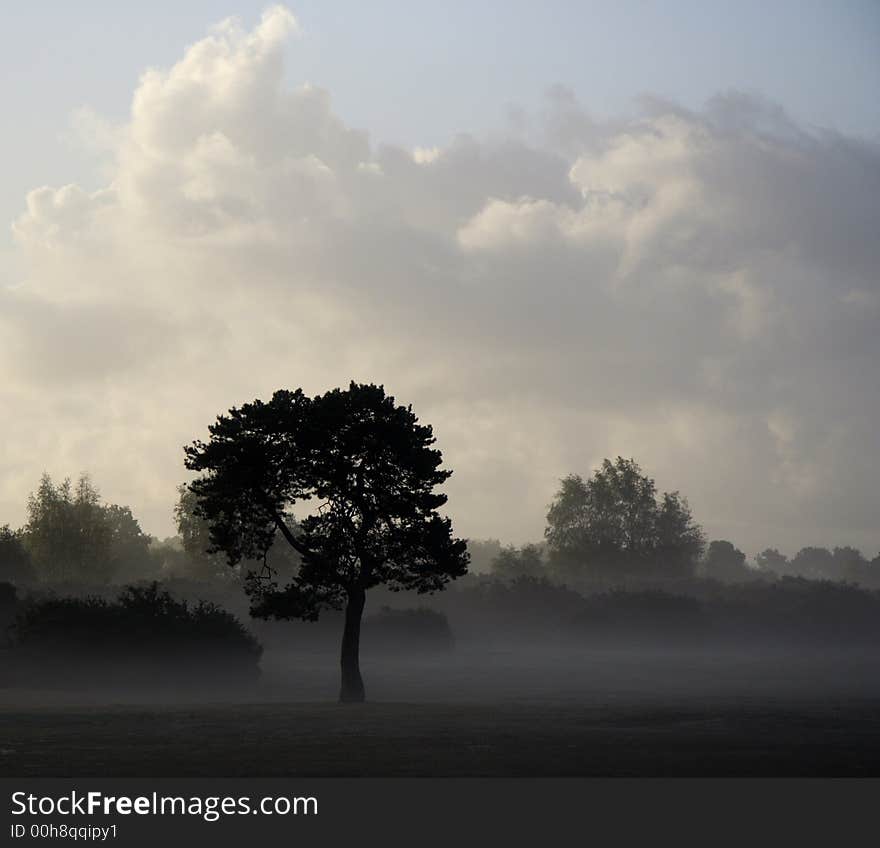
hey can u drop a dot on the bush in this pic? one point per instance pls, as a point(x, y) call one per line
point(788, 614)
point(796, 610)
point(489, 611)
point(640, 617)
point(144, 629)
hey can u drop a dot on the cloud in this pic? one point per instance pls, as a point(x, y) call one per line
point(697, 289)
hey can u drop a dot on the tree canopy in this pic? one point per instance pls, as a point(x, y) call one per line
point(72, 536)
point(511, 563)
point(362, 472)
point(614, 523)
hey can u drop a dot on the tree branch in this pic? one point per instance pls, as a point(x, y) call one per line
point(298, 546)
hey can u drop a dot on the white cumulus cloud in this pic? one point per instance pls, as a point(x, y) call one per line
point(695, 289)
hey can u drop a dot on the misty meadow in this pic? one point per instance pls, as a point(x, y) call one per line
point(402, 390)
point(623, 600)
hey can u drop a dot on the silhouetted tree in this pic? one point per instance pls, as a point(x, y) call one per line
point(482, 552)
point(371, 467)
point(15, 561)
point(192, 555)
point(614, 524)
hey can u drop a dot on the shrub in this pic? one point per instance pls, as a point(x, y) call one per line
point(639, 617)
point(143, 627)
point(489, 611)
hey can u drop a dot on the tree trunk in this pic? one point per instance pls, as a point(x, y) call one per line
point(352, 690)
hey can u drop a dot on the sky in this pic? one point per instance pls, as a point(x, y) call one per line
point(562, 231)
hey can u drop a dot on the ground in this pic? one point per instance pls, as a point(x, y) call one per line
point(453, 740)
point(625, 715)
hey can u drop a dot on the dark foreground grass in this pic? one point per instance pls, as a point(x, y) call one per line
point(713, 738)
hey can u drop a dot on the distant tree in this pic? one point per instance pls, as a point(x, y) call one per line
point(482, 552)
point(679, 541)
point(371, 467)
point(197, 558)
point(511, 563)
point(15, 561)
point(72, 536)
point(815, 563)
point(66, 533)
point(872, 573)
point(169, 558)
point(129, 547)
point(770, 560)
point(850, 564)
point(726, 562)
point(203, 561)
point(614, 524)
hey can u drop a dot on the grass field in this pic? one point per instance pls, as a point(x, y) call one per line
point(611, 716)
point(442, 740)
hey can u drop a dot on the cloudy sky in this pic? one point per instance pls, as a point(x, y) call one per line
point(561, 231)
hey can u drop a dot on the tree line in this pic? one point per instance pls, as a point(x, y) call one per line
point(72, 537)
point(611, 528)
point(615, 528)
point(309, 502)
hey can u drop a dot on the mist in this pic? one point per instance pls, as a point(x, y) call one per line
point(570, 653)
point(546, 447)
